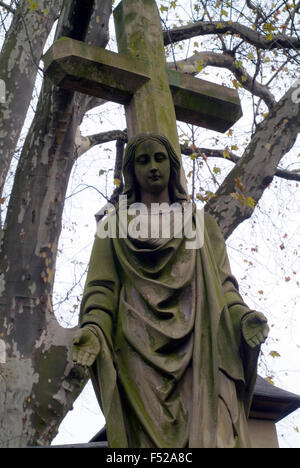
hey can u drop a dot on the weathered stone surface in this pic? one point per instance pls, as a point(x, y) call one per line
point(138, 77)
point(202, 103)
point(139, 35)
point(91, 70)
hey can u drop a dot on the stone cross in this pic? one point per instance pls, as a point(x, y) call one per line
point(138, 77)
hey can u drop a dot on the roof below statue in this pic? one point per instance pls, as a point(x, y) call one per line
point(272, 403)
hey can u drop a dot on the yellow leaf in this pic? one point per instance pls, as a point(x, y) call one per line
point(250, 202)
point(33, 5)
point(200, 65)
point(117, 182)
point(269, 379)
point(236, 84)
point(193, 156)
point(268, 27)
point(274, 354)
point(240, 184)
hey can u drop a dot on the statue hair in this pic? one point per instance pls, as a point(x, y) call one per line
point(176, 191)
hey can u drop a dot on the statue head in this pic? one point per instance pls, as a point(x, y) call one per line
point(169, 168)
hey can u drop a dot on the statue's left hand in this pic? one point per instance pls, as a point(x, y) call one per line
point(255, 328)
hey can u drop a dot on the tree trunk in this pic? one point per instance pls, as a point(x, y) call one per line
point(19, 60)
point(245, 184)
point(39, 382)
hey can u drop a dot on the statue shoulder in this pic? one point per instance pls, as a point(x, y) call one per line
point(210, 222)
point(102, 247)
point(212, 228)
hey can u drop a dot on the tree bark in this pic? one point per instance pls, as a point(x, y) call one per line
point(255, 170)
point(39, 382)
point(19, 60)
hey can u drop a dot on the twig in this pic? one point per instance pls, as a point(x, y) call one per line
point(7, 7)
point(210, 153)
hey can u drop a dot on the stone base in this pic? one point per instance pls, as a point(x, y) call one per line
point(263, 433)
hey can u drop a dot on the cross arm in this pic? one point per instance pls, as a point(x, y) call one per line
point(202, 103)
point(115, 77)
point(91, 70)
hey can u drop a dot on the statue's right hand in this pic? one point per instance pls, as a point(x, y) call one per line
point(86, 347)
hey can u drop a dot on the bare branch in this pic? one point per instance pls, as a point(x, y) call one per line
point(256, 9)
point(120, 144)
point(288, 175)
point(85, 143)
point(219, 153)
point(94, 102)
point(204, 28)
point(7, 7)
point(291, 18)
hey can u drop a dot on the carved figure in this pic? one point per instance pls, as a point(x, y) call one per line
point(171, 345)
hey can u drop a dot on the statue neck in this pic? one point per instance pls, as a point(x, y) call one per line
point(148, 197)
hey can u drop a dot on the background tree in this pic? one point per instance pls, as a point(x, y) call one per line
point(38, 381)
point(253, 47)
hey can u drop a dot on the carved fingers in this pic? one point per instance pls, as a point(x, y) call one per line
point(83, 358)
point(85, 347)
point(255, 329)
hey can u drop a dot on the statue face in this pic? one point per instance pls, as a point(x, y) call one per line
point(152, 166)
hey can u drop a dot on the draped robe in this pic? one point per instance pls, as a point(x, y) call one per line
point(173, 370)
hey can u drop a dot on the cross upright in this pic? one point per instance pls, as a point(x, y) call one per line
point(137, 76)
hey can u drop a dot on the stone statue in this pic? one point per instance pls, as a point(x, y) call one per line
point(171, 346)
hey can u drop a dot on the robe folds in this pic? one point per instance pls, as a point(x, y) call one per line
point(173, 370)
